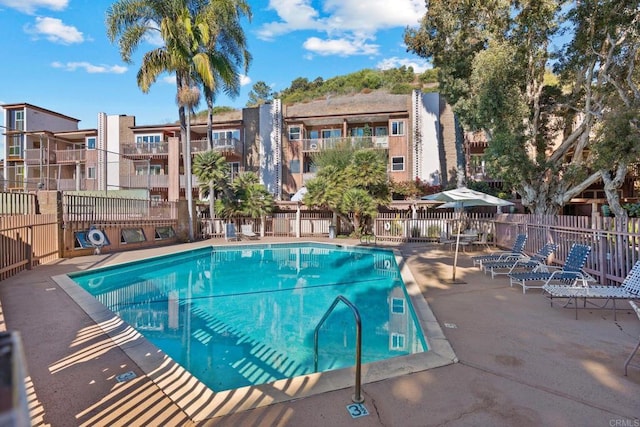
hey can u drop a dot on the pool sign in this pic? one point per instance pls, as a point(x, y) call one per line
point(357, 410)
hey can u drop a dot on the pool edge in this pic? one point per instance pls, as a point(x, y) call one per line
point(201, 403)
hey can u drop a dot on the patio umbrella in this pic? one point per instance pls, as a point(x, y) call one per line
point(458, 199)
point(297, 197)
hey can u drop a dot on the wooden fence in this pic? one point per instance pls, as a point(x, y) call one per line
point(615, 243)
point(26, 241)
point(95, 209)
point(18, 203)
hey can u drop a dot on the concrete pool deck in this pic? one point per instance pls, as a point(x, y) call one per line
point(521, 362)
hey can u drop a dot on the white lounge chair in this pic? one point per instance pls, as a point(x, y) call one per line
point(230, 231)
point(246, 231)
point(630, 289)
point(627, 362)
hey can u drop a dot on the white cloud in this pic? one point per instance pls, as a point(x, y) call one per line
point(154, 38)
point(294, 15)
point(348, 24)
point(340, 47)
point(30, 6)
point(244, 80)
point(171, 79)
point(55, 31)
point(90, 68)
point(419, 65)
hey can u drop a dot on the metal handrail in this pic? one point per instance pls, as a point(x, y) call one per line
point(357, 398)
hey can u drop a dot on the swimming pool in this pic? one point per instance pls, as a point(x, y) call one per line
point(245, 315)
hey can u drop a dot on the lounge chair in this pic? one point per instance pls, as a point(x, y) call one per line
point(570, 272)
point(627, 362)
point(630, 289)
point(246, 231)
point(514, 263)
point(517, 249)
point(230, 232)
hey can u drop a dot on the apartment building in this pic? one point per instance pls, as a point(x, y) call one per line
point(47, 150)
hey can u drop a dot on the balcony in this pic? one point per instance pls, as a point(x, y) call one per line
point(224, 145)
point(378, 142)
point(145, 150)
point(70, 156)
point(71, 184)
point(32, 156)
point(194, 182)
point(145, 181)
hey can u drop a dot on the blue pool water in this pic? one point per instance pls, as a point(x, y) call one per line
point(245, 315)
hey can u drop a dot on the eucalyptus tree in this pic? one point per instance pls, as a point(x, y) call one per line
point(493, 67)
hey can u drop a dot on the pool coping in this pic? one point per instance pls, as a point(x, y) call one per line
point(201, 403)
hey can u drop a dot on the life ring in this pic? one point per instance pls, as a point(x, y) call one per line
point(96, 237)
point(387, 264)
point(387, 226)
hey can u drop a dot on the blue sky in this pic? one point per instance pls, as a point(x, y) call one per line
point(56, 54)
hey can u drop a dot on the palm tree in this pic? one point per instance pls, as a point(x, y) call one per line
point(186, 27)
point(228, 52)
point(245, 197)
point(212, 171)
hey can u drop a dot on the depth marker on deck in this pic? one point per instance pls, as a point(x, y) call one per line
point(357, 410)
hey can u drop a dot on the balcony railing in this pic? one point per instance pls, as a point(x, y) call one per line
point(70, 156)
point(194, 181)
point(145, 149)
point(32, 156)
point(71, 185)
point(223, 145)
point(380, 142)
point(145, 181)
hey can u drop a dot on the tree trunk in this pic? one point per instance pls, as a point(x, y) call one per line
point(611, 187)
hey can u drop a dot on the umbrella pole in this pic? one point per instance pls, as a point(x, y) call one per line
point(455, 255)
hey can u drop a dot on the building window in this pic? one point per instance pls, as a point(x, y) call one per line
point(234, 170)
point(397, 305)
point(148, 141)
point(294, 133)
point(16, 120)
point(19, 176)
point(397, 341)
point(91, 172)
point(15, 145)
point(294, 166)
point(397, 164)
point(382, 131)
point(165, 232)
point(91, 143)
point(132, 235)
point(331, 133)
point(397, 128)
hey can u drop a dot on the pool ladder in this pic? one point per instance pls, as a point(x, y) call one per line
point(357, 397)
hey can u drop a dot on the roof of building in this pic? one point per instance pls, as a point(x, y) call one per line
point(373, 104)
point(35, 107)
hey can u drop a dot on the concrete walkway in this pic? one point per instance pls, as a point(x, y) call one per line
point(521, 362)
